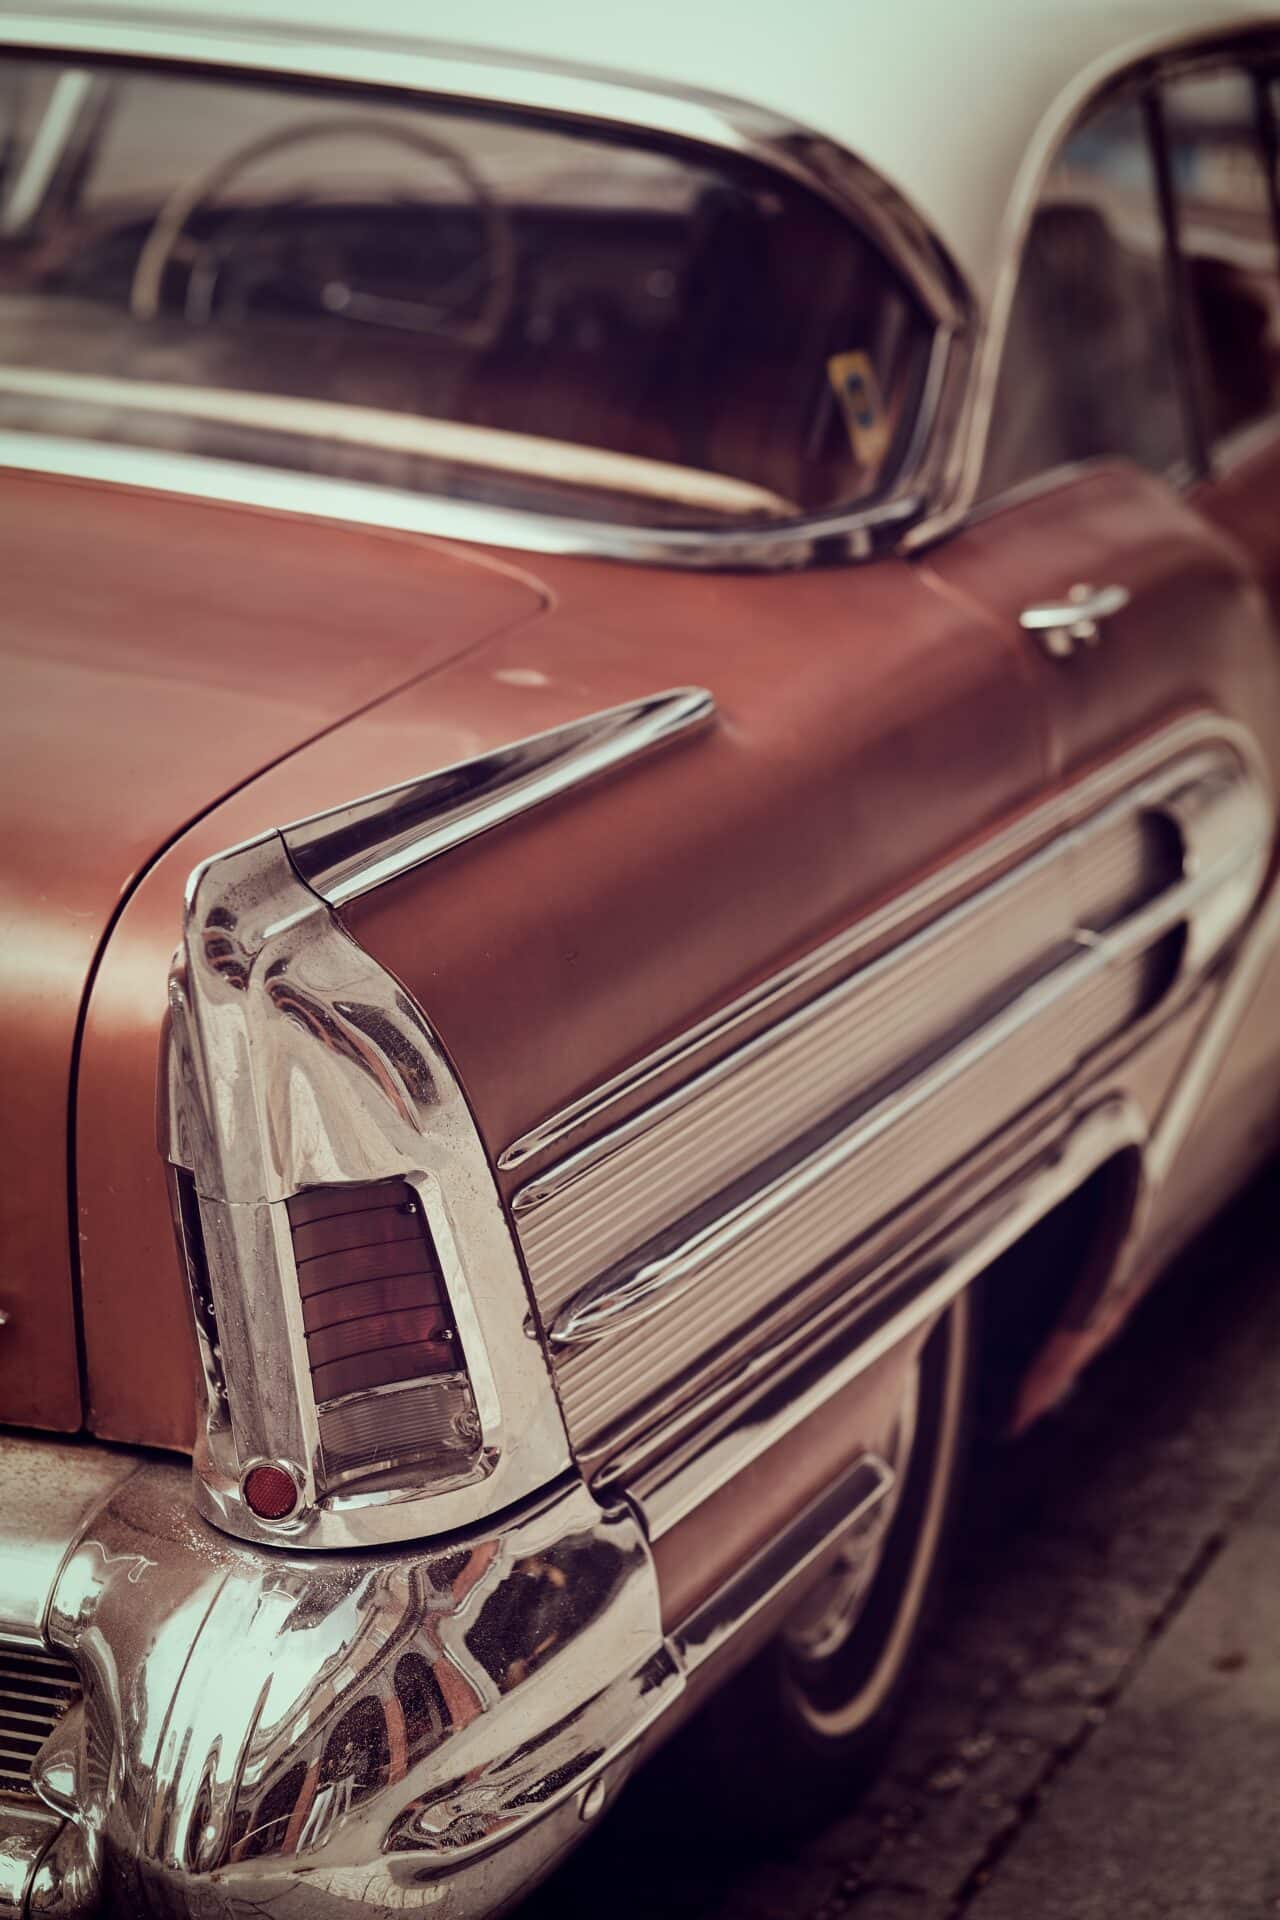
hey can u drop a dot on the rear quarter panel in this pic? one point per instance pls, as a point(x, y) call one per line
point(867, 727)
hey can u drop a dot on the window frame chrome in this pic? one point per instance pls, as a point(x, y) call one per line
point(1261, 69)
point(960, 497)
point(426, 70)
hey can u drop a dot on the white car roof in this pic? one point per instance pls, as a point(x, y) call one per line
point(955, 102)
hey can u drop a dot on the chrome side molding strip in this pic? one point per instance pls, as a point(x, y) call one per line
point(352, 849)
point(898, 918)
point(920, 1287)
point(669, 1236)
point(1177, 1118)
point(851, 1503)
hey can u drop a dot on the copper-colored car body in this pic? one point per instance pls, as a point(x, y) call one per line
point(712, 947)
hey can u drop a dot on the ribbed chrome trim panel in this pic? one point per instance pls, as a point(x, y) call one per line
point(1125, 861)
point(710, 1130)
point(809, 1360)
point(772, 1089)
point(885, 1161)
point(36, 1689)
point(657, 1242)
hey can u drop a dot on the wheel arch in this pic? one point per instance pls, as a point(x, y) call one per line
point(1053, 1280)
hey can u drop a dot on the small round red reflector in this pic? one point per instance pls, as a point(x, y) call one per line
point(270, 1492)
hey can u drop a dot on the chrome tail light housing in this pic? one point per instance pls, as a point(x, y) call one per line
point(360, 1307)
point(372, 1361)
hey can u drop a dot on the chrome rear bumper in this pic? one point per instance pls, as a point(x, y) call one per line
point(305, 1735)
point(308, 1735)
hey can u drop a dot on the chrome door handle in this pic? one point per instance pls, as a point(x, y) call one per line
point(1064, 625)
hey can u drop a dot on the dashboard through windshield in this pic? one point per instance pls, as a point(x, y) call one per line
point(440, 298)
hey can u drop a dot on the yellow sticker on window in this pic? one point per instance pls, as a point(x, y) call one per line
point(853, 379)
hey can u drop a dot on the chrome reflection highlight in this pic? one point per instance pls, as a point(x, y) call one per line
point(26, 1836)
point(305, 1736)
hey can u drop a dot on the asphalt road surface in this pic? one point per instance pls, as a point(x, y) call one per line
point(1096, 1728)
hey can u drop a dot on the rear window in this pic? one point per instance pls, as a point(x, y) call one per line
point(442, 299)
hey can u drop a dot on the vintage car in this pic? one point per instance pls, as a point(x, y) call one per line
point(674, 608)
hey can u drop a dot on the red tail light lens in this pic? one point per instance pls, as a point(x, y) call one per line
point(387, 1367)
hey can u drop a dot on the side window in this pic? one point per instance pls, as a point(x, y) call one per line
point(1088, 366)
point(1228, 242)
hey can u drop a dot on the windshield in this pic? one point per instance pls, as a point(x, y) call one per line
point(440, 299)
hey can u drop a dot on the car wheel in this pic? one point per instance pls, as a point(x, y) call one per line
point(806, 1723)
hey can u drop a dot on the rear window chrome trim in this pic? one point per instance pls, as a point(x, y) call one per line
point(818, 165)
point(314, 496)
point(450, 442)
point(428, 68)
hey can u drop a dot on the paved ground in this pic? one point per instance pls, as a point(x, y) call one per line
point(1096, 1731)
